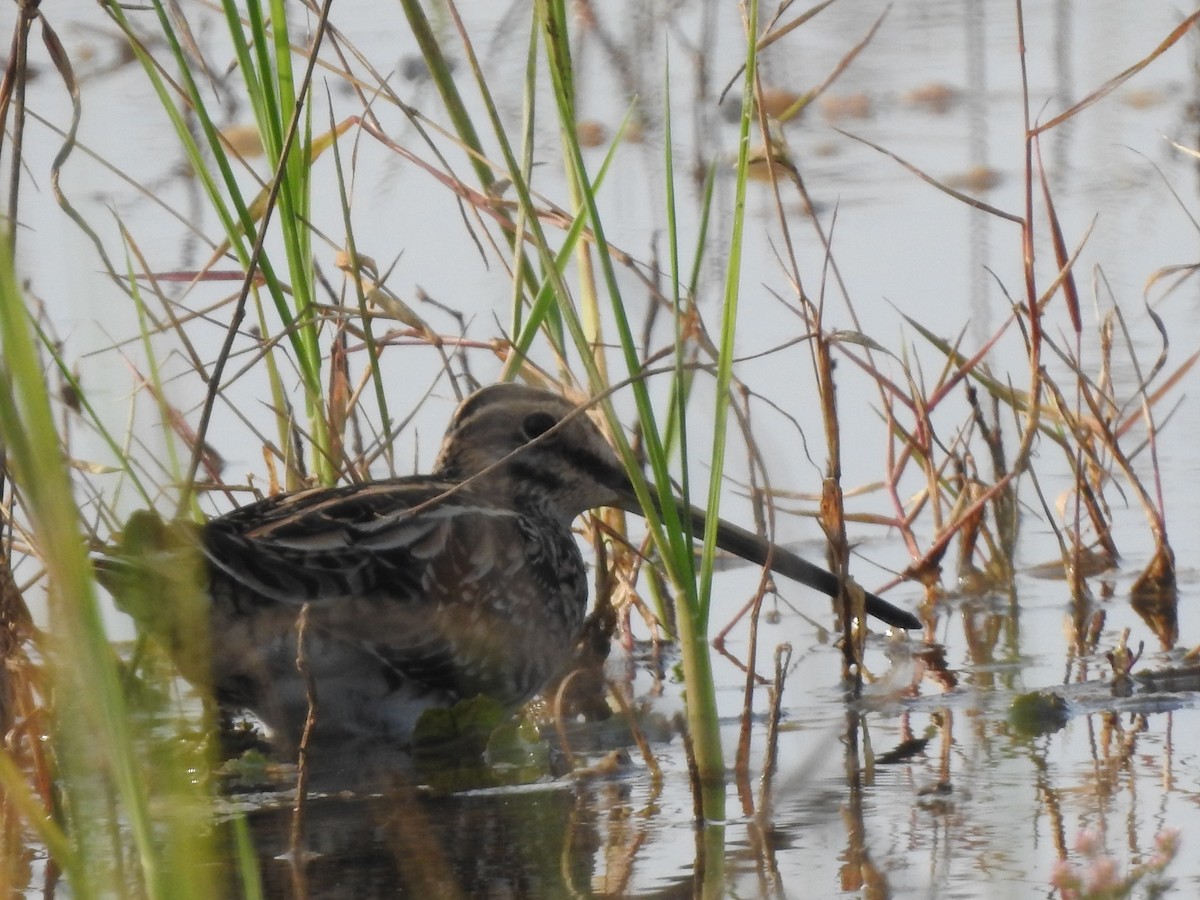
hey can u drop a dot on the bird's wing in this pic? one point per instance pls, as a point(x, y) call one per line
point(385, 539)
point(437, 587)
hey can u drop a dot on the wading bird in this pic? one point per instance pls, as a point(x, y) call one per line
point(425, 590)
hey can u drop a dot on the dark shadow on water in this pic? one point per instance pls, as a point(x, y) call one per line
point(516, 844)
point(393, 834)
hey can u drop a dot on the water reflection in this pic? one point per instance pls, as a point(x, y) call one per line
point(526, 843)
point(551, 839)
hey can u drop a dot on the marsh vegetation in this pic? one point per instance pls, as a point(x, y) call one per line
point(910, 288)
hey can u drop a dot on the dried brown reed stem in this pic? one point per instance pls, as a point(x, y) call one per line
point(832, 507)
point(921, 445)
point(12, 96)
point(783, 661)
point(742, 756)
point(921, 441)
point(972, 496)
point(297, 849)
point(1159, 576)
point(1075, 572)
point(1004, 506)
point(22, 716)
point(15, 629)
point(558, 707)
point(1116, 81)
point(764, 522)
point(639, 737)
point(761, 826)
point(833, 523)
point(21, 728)
point(965, 482)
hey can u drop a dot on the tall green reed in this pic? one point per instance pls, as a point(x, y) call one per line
point(555, 306)
point(106, 758)
point(264, 52)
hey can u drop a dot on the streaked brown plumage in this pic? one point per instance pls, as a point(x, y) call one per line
point(433, 588)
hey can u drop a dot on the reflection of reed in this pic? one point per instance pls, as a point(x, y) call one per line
point(1050, 801)
point(858, 871)
point(405, 843)
point(1160, 611)
point(373, 828)
point(625, 831)
point(761, 824)
point(983, 629)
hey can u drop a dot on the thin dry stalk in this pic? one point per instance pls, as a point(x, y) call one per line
point(1117, 80)
point(930, 180)
point(297, 849)
point(742, 756)
point(15, 629)
point(12, 96)
point(783, 661)
point(558, 706)
point(639, 738)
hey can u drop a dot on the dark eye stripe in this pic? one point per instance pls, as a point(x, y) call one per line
point(587, 464)
point(596, 467)
point(533, 474)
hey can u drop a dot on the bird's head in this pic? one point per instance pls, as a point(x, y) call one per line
point(534, 446)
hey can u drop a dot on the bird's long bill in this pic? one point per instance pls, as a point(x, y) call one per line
point(754, 549)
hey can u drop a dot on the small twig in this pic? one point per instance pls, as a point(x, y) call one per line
point(783, 660)
point(297, 855)
point(639, 738)
point(742, 764)
point(556, 707)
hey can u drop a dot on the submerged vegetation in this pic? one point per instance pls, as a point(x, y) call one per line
point(284, 332)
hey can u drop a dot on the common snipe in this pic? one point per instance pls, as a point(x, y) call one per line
point(433, 588)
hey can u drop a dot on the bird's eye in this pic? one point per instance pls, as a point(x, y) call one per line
point(536, 424)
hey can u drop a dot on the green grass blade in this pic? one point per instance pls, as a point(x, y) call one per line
point(92, 723)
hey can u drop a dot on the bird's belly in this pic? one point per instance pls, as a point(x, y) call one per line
point(374, 667)
point(356, 693)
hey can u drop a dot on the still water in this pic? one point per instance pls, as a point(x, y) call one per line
point(983, 809)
